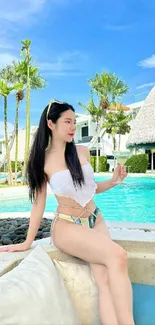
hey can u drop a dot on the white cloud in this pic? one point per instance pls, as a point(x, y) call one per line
point(6, 58)
point(20, 10)
point(68, 63)
point(148, 63)
point(15, 14)
point(10, 128)
point(116, 28)
point(150, 84)
point(6, 44)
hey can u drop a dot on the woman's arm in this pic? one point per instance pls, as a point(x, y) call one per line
point(36, 215)
point(34, 223)
point(119, 172)
point(106, 185)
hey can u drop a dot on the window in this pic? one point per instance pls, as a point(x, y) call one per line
point(110, 157)
point(84, 131)
point(94, 153)
point(135, 112)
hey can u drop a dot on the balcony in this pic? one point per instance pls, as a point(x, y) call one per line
point(87, 139)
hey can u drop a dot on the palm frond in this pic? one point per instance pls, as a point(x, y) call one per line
point(108, 86)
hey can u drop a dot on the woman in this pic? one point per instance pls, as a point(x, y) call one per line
point(78, 227)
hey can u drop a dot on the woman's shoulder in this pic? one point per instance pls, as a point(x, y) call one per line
point(83, 150)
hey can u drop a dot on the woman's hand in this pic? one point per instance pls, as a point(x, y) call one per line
point(15, 248)
point(119, 173)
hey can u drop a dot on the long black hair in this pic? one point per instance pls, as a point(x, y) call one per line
point(35, 167)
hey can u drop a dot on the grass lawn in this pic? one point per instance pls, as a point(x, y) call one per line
point(8, 186)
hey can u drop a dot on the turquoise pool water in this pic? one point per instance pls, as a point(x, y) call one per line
point(143, 304)
point(133, 202)
point(3, 176)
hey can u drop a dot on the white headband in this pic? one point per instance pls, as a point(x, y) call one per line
point(49, 106)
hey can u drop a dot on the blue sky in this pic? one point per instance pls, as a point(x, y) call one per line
point(74, 39)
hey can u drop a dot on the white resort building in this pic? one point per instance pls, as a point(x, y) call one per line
point(86, 130)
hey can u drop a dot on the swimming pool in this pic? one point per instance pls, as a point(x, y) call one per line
point(134, 202)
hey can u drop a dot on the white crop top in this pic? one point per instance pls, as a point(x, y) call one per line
point(62, 184)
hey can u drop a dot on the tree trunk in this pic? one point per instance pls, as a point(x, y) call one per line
point(9, 169)
point(152, 161)
point(16, 148)
point(10, 145)
point(97, 147)
point(97, 159)
point(114, 142)
point(27, 132)
point(114, 149)
point(119, 143)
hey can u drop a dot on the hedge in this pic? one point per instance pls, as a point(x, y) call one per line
point(137, 163)
point(103, 166)
point(19, 167)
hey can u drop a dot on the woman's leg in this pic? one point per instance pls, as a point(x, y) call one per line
point(106, 305)
point(102, 278)
point(95, 248)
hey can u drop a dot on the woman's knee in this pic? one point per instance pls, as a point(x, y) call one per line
point(121, 258)
point(118, 258)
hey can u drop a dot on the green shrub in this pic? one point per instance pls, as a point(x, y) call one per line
point(92, 162)
point(103, 166)
point(2, 169)
point(137, 163)
point(19, 167)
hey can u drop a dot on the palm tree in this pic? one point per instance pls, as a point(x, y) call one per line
point(5, 90)
point(25, 51)
point(116, 123)
point(31, 78)
point(9, 73)
point(96, 114)
point(124, 127)
point(108, 88)
point(110, 126)
point(19, 97)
